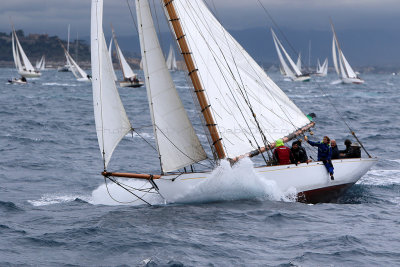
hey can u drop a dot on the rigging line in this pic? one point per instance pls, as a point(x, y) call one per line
point(264, 85)
point(199, 108)
point(121, 202)
point(245, 96)
point(279, 29)
point(133, 19)
point(101, 90)
point(158, 24)
point(148, 86)
point(134, 130)
point(220, 69)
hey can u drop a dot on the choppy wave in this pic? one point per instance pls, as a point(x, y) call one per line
point(381, 177)
point(51, 199)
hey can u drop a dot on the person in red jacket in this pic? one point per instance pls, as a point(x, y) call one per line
point(282, 154)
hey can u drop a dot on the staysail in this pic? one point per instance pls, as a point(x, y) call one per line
point(246, 104)
point(112, 123)
point(177, 143)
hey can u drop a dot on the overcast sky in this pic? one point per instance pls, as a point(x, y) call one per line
point(53, 16)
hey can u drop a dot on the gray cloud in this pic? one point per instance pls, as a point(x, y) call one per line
point(53, 16)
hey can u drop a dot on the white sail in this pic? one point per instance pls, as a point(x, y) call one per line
point(349, 71)
point(43, 65)
point(171, 60)
point(112, 123)
point(289, 59)
point(126, 69)
point(178, 144)
point(334, 55)
point(17, 59)
point(298, 63)
point(76, 70)
point(324, 67)
point(25, 60)
point(231, 78)
point(284, 68)
point(40, 64)
point(110, 53)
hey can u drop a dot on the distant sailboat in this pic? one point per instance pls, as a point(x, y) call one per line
point(171, 59)
point(79, 73)
point(298, 63)
point(67, 66)
point(293, 72)
point(130, 78)
point(24, 67)
point(344, 70)
point(322, 70)
point(244, 111)
point(41, 64)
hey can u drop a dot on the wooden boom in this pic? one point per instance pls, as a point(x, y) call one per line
point(131, 175)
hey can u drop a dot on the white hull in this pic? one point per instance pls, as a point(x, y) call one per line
point(311, 181)
point(320, 74)
point(305, 78)
point(352, 80)
point(83, 79)
point(130, 84)
point(29, 74)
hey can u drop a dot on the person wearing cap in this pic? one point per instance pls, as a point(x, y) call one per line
point(343, 153)
point(324, 153)
point(282, 154)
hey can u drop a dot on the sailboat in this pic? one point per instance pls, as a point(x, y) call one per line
point(243, 110)
point(171, 59)
point(78, 72)
point(67, 66)
point(344, 70)
point(322, 70)
point(293, 72)
point(24, 67)
point(130, 78)
point(41, 64)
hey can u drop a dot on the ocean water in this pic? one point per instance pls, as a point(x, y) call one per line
point(55, 209)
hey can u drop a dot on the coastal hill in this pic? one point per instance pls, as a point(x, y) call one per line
point(37, 45)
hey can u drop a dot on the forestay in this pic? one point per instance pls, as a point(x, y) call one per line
point(112, 123)
point(233, 81)
point(177, 142)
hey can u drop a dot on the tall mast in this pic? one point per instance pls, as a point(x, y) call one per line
point(198, 88)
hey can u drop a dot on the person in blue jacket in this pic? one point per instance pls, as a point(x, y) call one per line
point(324, 153)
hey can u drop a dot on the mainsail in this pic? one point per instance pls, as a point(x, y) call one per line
point(110, 53)
point(246, 104)
point(112, 123)
point(177, 142)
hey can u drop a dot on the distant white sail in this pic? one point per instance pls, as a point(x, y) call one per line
point(171, 60)
point(127, 72)
point(177, 142)
point(112, 123)
point(25, 60)
point(298, 63)
point(110, 52)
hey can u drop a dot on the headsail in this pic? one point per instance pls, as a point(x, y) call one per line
point(110, 53)
point(112, 123)
point(285, 70)
point(233, 82)
point(177, 142)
